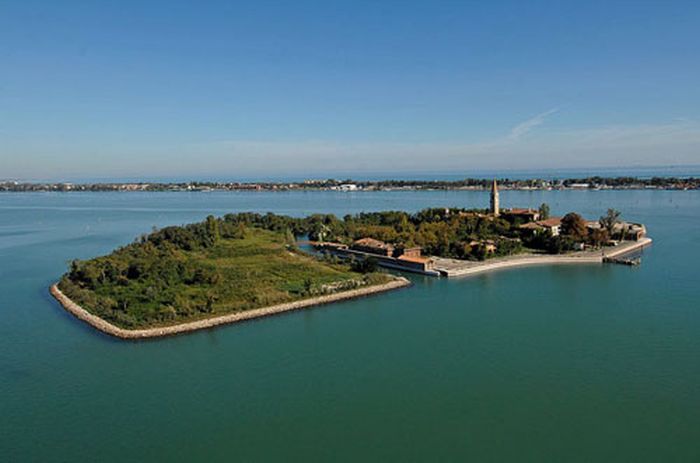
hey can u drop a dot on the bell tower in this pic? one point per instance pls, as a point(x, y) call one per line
point(495, 204)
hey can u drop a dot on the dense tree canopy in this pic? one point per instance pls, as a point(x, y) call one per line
point(574, 227)
point(214, 267)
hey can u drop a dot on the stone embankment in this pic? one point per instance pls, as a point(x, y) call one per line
point(458, 268)
point(106, 327)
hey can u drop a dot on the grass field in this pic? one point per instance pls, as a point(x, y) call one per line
point(141, 286)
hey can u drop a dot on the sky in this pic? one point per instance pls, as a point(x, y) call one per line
point(234, 89)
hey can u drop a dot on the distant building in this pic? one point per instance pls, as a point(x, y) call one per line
point(634, 231)
point(525, 215)
point(495, 202)
point(421, 264)
point(372, 246)
point(623, 230)
point(414, 251)
point(551, 225)
point(472, 214)
point(347, 187)
point(386, 255)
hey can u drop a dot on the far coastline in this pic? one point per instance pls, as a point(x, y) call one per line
point(546, 183)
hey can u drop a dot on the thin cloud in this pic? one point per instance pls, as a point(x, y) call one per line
point(666, 143)
point(651, 144)
point(524, 127)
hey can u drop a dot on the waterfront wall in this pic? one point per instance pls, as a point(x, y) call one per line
point(588, 257)
point(106, 327)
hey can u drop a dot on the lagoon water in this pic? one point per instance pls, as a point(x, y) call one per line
point(589, 363)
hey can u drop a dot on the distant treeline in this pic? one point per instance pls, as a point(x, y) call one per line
point(594, 182)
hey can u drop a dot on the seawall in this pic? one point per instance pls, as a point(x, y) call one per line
point(106, 327)
point(472, 268)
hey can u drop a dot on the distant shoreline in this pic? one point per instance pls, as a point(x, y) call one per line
point(348, 185)
point(146, 333)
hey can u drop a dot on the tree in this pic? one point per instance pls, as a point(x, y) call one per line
point(289, 238)
point(213, 229)
point(320, 232)
point(544, 211)
point(574, 226)
point(479, 252)
point(209, 305)
point(241, 231)
point(559, 244)
point(308, 285)
point(598, 236)
point(609, 220)
point(366, 265)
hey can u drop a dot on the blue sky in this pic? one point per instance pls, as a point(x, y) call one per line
point(143, 89)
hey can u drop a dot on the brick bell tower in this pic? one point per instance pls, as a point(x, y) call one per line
point(495, 204)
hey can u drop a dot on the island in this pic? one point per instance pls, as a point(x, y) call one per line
point(219, 271)
point(249, 265)
point(459, 241)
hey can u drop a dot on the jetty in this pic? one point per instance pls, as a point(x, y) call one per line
point(623, 260)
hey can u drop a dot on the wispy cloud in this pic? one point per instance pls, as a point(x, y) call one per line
point(526, 126)
point(653, 144)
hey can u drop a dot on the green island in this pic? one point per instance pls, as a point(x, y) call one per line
point(248, 265)
point(216, 267)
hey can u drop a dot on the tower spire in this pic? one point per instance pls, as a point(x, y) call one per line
point(495, 204)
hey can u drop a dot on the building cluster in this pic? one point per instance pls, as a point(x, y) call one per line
point(551, 226)
point(592, 183)
point(386, 254)
point(626, 230)
point(532, 224)
point(528, 221)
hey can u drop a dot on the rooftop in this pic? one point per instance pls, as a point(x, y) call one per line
point(520, 210)
point(550, 222)
point(419, 260)
point(371, 242)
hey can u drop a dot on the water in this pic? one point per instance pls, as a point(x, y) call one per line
point(590, 363)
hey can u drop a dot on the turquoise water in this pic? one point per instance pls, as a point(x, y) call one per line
point(590, 363)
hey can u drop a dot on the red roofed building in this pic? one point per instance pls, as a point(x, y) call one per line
point(552, 225)
point(372, 246)
point(526, 215)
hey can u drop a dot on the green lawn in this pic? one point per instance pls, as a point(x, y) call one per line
point(142, 285)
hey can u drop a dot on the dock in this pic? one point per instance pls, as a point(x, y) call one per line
point(622, 260)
